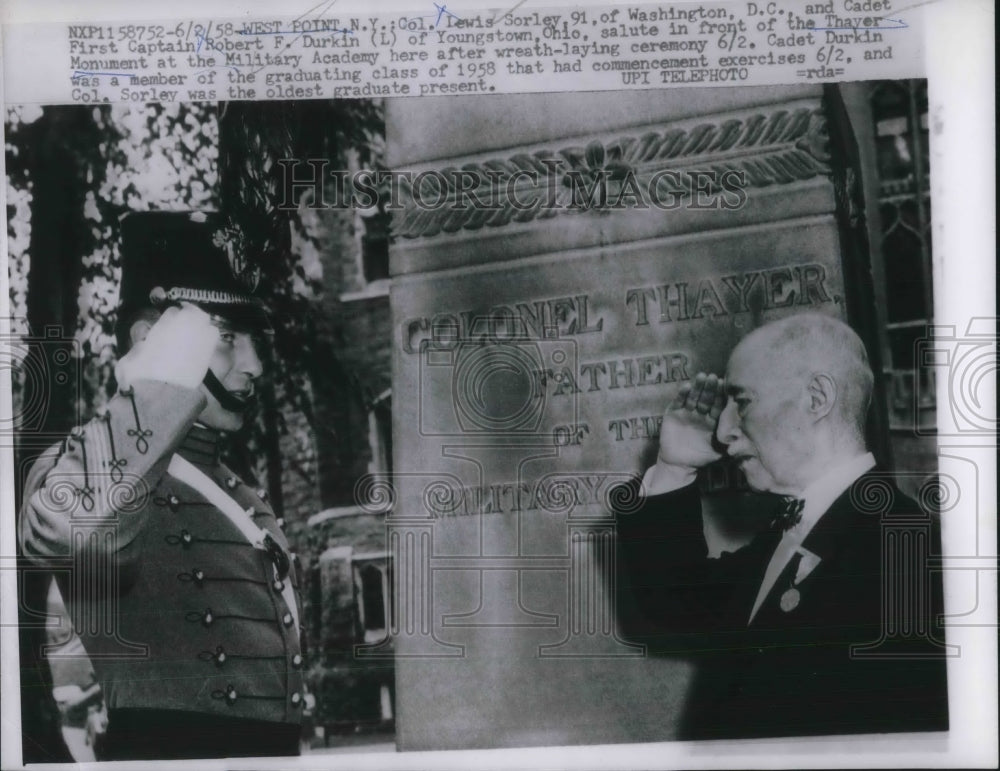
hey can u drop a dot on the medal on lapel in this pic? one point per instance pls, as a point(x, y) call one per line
point(808, 561)
point(790, 599)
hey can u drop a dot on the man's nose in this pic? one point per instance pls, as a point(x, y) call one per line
point(727, 431)
point(249, 362)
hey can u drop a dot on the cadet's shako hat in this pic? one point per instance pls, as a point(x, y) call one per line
point(196, 257)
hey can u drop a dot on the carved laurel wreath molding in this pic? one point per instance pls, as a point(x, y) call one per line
point(777, 148)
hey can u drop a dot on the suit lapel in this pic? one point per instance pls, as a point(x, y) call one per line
point(760, 551)
point(781, 585)
point(835, 528)
point(832, 531)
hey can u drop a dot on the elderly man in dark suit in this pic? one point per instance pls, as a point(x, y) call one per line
point(799, 631)
point(175, 572)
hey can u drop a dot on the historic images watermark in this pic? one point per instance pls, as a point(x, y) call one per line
point(547, 184)
point(966, 364)
point(588, 502)
point(38, 363)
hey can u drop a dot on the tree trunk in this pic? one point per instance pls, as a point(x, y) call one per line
point(58, 237)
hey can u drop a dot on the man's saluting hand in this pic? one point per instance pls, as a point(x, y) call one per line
point(176, 349)
point(687, 434)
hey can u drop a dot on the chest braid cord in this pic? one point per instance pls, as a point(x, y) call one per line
point(259, 538)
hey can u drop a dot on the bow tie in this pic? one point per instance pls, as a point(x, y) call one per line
point(789, 513)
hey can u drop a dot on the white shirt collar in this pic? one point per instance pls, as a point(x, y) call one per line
point(818, 497)
point(821, 494)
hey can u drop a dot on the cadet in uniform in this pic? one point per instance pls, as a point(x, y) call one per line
point(175, 572)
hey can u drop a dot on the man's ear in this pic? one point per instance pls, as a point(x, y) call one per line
point(822, 392)
point(138, 331)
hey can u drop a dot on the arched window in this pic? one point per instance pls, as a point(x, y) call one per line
point(899, 114)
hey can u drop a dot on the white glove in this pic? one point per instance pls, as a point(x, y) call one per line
point(177, 350)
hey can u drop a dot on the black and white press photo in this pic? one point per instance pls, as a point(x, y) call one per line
point(520, 387)
point(550, 420)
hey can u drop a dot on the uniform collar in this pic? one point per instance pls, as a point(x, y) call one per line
point(201, 446)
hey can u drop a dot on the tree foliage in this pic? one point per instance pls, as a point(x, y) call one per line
point(122, 158)
point(255, 193)
point(73, 171)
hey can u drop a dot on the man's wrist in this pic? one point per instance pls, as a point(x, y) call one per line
point(665, 478)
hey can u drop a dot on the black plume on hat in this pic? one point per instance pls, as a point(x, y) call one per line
point(196, 257)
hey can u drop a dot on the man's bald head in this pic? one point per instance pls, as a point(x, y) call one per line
point(799, 391)
point(796, 348)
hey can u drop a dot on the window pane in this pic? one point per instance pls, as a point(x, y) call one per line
point(902, 252)
point(372, 597)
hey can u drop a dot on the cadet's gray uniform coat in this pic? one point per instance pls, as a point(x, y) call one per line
point(201, 624)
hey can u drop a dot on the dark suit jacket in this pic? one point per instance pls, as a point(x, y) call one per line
point(860, 652)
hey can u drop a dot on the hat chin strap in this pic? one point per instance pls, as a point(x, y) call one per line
point(226, 400)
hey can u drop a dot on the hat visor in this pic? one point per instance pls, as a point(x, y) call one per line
point(248, 317)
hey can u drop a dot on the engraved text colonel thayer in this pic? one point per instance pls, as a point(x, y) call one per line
point(786, 630)
point(180, 582)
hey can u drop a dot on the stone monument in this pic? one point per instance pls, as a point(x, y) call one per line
point(561, 264)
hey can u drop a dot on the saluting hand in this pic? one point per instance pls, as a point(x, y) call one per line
point(689, 423)
point(177, 349)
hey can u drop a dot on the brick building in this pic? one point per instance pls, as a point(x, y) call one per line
point(346, 439)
